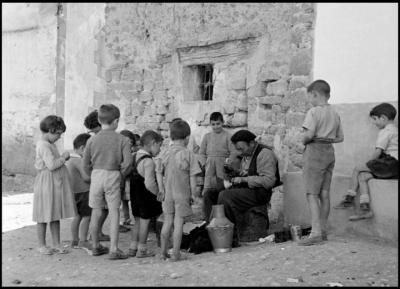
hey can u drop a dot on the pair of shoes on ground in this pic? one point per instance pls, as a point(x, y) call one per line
point(117, 255)
point(365, 213)
point(140, 253)
point(348, 202)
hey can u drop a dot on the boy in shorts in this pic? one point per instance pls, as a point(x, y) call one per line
point(91, 122)
point(80, 183)
point(108, 159)
point(144, 192)
point(383, 163)
point(321, 127)
point(178, 168)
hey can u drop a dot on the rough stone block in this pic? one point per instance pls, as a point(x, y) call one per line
point(129, 74)
point(267, 139)
point(276, 108)
point(148, 85)
point(162, 109)
point(296, 100)
point(229, 107)
point(298, 82)
point(270, 100)
point(301, 63)
point(272, 72)
point(241, 102)
point(130, 119)
point(276, 129)
point(146, 96)
point(137, 109)
point(239, 119)
point(123, 86)
point(257, 90)
point(164, 125)
point(265, 114)
point(149, 110)
point(170, 116)
point(277, 87)
point(295, 119)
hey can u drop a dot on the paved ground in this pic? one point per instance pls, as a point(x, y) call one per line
point(348, 260)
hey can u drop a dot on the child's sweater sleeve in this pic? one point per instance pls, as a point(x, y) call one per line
point(86, 162)
point(51, 162)
point(203, 149)
point(147, 170)
point(126, 165)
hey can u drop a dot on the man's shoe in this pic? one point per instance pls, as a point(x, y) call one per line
point(310, 241)
point(365, 207)
point(347, 202)
point(361, 216)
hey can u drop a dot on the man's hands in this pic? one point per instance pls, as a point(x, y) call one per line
point(238, 180)
point(65, 156)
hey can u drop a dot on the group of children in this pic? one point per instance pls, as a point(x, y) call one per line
point(108, 169)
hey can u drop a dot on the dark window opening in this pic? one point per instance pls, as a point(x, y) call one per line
point(206, 85)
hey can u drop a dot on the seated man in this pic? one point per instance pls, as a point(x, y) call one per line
point(252, 187)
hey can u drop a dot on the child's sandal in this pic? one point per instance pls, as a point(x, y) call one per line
point(132, 252)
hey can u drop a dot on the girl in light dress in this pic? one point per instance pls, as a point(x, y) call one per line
point(53, 199)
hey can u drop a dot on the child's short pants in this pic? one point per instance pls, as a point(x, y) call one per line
point(384, 167)
point(105, 189)
point(318, 164)
point(180, 207)
point(82, 204)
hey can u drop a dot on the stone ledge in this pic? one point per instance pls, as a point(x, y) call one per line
point(384, 198)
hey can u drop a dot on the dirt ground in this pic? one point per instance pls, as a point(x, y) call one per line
point(348, 260)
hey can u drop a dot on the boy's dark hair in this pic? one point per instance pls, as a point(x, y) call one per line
point(92, 120)
point(320, 86)
point(385, 109)
point(243, 135)
point(179, 129)
point(136, 137)
point(81, 140)
point(216, 115)
point(52, 124)
point(129, 135)
point(108, 113)
point(150, 135)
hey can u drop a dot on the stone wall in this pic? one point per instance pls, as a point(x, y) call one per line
point(29, 40)
point(261, 55)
